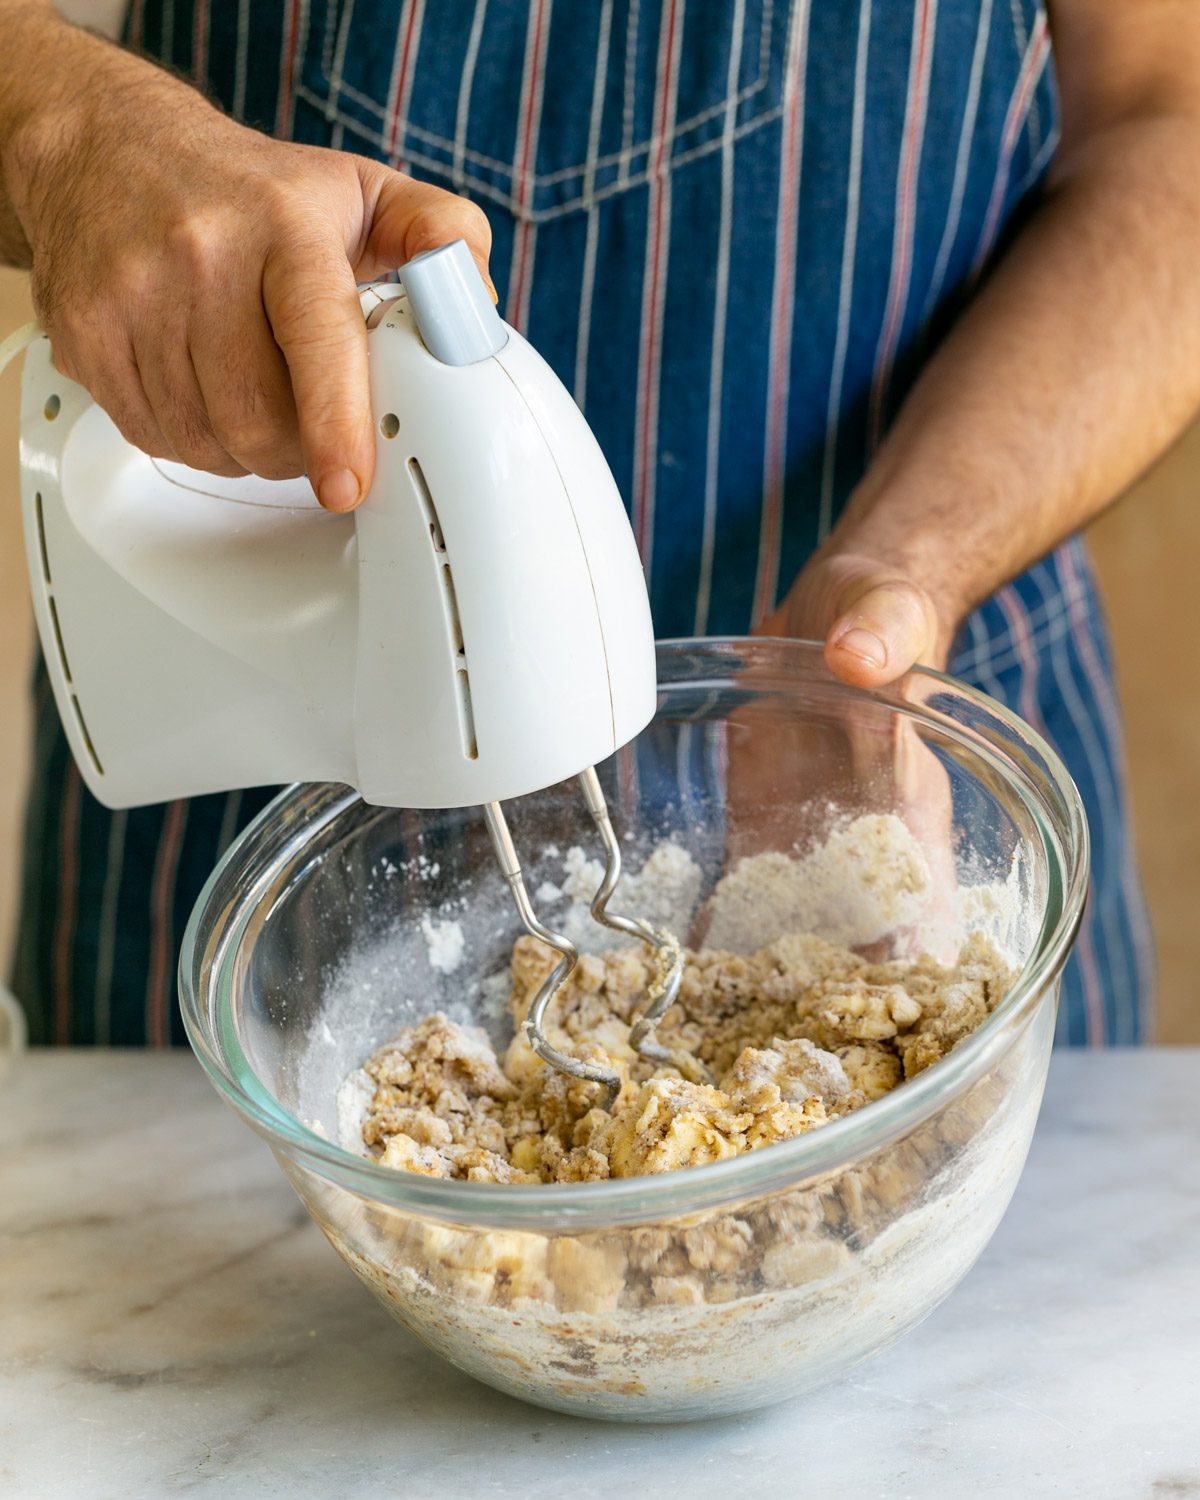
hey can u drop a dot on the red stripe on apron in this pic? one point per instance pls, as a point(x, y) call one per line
point(200, 44)
point(287, 73)
point(1031, 70)
point(783, 303)
point(525, 231)
point(159, 989)
point(401, 88)
point(906, 216)
point(651, 332)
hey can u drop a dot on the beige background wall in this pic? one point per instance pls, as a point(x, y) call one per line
point(1147, 551)
point(1146, 548)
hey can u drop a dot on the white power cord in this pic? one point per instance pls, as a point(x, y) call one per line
point(13, 1032)
point(12, 1018)
point(17, 342)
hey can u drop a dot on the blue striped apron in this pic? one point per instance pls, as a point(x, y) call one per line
point(736, 228)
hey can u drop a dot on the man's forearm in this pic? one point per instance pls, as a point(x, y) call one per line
point(48, 68)
point(29, 41)
point(1076, 366)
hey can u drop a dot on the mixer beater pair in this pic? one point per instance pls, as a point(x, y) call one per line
point(667, 969)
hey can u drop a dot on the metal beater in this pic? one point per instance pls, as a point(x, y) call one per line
point(668, 955)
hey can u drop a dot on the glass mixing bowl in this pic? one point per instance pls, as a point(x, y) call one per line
point(717, 1288)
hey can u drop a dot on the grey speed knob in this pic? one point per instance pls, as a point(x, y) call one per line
point(455, 316)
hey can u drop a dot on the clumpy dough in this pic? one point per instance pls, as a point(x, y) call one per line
point(794, 1035)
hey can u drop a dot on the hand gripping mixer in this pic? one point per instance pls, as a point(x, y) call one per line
point(478, 629)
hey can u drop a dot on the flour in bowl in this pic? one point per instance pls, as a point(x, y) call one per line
point(444, 942)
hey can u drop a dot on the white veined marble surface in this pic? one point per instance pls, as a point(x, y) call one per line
point(171, 1322)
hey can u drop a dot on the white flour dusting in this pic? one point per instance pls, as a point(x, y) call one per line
point(869, 878)
point(444, 943)
point(353, 1100)
point(665, 891)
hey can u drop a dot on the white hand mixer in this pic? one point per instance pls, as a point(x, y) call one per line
point(477, 630)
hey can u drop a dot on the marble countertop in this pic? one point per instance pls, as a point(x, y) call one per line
point(171, 1321)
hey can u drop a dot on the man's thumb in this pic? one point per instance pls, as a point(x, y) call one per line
point(890, 627)
point(410, 217)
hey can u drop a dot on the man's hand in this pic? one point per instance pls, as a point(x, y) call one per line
point(196, 276)
point(875, 619)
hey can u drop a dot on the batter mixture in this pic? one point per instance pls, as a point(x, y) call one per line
point(795, 1030)
point(794, 1035)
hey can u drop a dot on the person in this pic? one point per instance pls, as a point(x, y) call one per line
point(871, 304)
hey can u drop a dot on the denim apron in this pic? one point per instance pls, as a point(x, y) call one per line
point(736, 228)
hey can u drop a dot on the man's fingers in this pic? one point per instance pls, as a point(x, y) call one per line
point(114, 383)
point(890, 627)
point(409, 217)
point(313, 307)
point(289, 392)
point(168, 377)
point(244, 382)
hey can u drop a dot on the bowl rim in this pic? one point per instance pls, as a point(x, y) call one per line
point(616, 1201)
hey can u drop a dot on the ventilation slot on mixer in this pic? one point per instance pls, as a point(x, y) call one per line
point(452, 618)
point(466, 714)
point(426, 502)
point(85, 736)
point(462, 678)
point(58, 640)
point(41, 533)
point(56, 627)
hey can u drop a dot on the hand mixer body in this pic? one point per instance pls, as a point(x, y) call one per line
point(477, 630)
point(514, 547)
